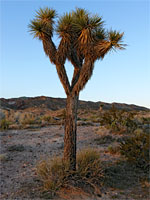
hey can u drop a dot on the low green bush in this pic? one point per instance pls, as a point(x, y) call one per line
point(136, 150)
point(118, 120)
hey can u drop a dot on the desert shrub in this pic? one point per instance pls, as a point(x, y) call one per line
point(28, 119)
point(113, 149)
point(94, 118)
point(18, 147)
point(138, 131)
point(54, 173)
point(84, 119)
point(3, 157)
point(146, 120)
point(84, 123)
point(62, 114)
point(4, 124)
point(118, 120)
point(47, 118)
point(105, 139)
point(136, 150)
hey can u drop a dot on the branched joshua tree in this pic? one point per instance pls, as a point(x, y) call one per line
point(83, 41)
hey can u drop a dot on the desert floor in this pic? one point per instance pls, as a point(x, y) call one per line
point(22, 149)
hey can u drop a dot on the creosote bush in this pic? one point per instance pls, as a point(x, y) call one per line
point(55, 174)
point(118, 121)
point(136, 150)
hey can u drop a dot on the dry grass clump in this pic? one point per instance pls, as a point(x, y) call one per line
point(4, 124)
point(54, 173)
point(89, 165)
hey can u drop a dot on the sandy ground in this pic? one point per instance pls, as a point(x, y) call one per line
point(18, 178)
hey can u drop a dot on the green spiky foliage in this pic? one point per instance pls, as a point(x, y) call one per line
point(43, 23)
point(82, 34)
point(65, 25)
point(116, 40)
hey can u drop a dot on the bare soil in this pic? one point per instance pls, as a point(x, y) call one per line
point(22, 149)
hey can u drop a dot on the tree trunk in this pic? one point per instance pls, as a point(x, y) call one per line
point(70, 131)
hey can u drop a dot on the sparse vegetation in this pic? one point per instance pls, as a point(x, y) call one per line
point(55, 173)
point(121, 177)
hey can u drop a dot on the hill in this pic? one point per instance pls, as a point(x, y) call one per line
point(50, 103)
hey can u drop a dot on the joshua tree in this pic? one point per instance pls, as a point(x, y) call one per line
point(83, 41)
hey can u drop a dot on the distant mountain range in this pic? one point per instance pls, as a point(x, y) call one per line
point(50, 103)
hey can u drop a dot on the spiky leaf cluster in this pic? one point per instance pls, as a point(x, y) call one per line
point(43, 23)
point(76, 22)
point(115, 38)
point(78, 28)
point(64, 25)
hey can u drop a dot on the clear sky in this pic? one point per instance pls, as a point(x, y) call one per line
point(122, 76)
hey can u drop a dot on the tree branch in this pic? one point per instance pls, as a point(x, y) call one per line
point(102, 48)
point(85, 75)
point(77, 63)
point(63, 78)
point(60, 61)
point(49, 48)
point(55, 57)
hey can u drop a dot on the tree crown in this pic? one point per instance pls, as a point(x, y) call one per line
point(83, 40)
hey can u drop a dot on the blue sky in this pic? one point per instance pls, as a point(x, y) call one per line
point(122, 76)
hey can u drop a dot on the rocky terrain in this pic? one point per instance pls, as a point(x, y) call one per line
point(59, 103)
